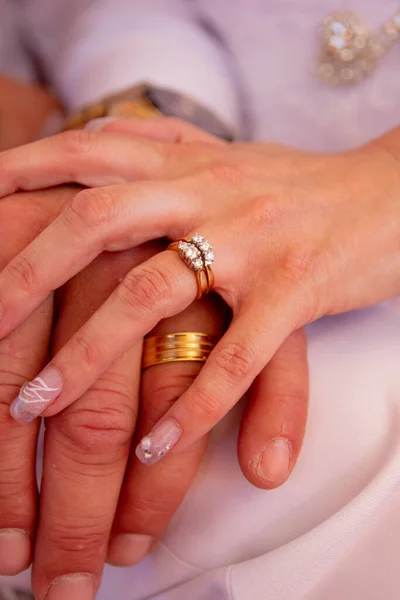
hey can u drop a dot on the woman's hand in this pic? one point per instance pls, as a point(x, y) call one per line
point(322, 240)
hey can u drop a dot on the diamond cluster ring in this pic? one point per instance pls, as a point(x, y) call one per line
point(198, 254)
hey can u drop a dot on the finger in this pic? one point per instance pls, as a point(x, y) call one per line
point(161, 287)
point(22, 353)
point(273, 425)
point(161, 129)
point(150, 497)
point(111, 218)
point(249, 344)
point(86, 451)
point(93, 159)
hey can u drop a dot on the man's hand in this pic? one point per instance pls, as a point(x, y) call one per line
point(98, 501)
point(22, 353)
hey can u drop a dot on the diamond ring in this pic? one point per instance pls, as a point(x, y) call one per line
point(198, 254)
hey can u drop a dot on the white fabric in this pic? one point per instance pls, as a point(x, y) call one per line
point(14, 61)
point(263, 58)
point(333, 531)
point(105, 46)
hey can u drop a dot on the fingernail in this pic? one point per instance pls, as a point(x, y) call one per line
point(78, 586)
point(98, 124)
point(273, 465)
point(35, 396)
point(160, 441)
point(15, 551)
point(127, 549)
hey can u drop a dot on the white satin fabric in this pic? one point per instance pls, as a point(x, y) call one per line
point(332, 532)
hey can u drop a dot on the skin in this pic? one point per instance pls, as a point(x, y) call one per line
point(87, 455)
point(324, 239)
point(25, 110)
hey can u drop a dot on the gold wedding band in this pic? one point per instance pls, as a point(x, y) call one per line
point(197, 254)
point(186, 346)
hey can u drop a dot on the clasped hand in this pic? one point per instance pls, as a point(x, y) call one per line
point(97, 500)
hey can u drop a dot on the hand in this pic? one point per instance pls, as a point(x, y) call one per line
point(82, 440)
point(24, 111)
point(86, 453)
point(87, 448)
point(22, 353)
point(264, 314)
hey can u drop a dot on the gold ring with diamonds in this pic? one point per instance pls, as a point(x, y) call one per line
point(186, 346)
point(198, 254)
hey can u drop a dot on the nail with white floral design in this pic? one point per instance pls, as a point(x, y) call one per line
point(154, 446)
point(35, 396)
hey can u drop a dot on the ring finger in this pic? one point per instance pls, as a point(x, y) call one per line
point(150, 497)
point(86, 451)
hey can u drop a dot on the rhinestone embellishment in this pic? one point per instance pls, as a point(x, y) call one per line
point(149, 452)
point(349, 50)
point(197, 253)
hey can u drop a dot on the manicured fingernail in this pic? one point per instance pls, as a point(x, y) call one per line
point(160, 441)
point(15, 551)
point(78, 586)
point(127, 549)
point(98, 124)
point(37, 395)
point(273, 465)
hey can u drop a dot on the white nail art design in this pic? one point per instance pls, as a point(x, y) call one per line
point(36, 395)
point(35, 391)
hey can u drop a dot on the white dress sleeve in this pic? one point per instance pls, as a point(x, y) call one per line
point(94, 47)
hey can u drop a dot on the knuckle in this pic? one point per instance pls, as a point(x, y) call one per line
point(266, 210)
point(77, 141)
point(18, 354)
point(15, 479)
point(149, 508)
point(102, 431)
point(84, 535)
point(145, 289)
point(235, 360)
point(159, 394)
point(207, 406)
point(233, 172)
point(93, 208)
point(22, 270)
point(7, 432)
point(87, 350)
point(301, 268)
